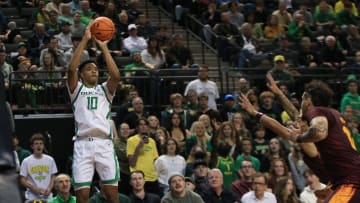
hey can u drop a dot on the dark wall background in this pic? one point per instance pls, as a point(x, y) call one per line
point(58, 129)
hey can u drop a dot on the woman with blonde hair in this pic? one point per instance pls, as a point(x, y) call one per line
point(198, 136)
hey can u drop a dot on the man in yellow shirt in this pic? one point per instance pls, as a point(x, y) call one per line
point(142, 152)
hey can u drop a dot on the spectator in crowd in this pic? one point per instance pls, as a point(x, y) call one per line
point(353, 39)
point(177, 130)
point(176, 102)
point(5, 68)
point(137, 113)
point(111, 12)
point(331, 55)
point(139, 194)
point(134, 10)
point(340, 6)
point(21, 152)
point(39, 41)
point(200, 176)
point(278, 169)
point(54, 5)
point(351, 98)
point(51, 71)
point(134, 42)
point(62, 185)
point(226, 134)
point(77, 28)
point(13, 34)
point(209, 19)
point(211, 123)
point(246, 149)
point(198, 136)
point(21, 54)
point(297, 167)
point(225, 163)
point(298, 28)
point(197, 152)
point(86, 12)
point(142, 152)
point(126, 107)
point(288, 51)
point(217, 191)
point(120, 143)
point(313, 184)
point(37, 172)
point(283, 15)
point(66, 15)
point(154, 124)
point(238, 121)
point(308, 56)
point(53, 26)
point(276, 151)
point(346, 17)
point(122, 26)
point(64, 37)
point(40, 15)
point(236, 17)
point(178, 192)
point(229, 108)
point(163, 36)
point(136, 66)
point(100, 196)
point(273, 29)
point(204, 85)
point(153, 56)
point(280, 73)
point(229, 36)
point(191, 102)
point(259, 193)
point(307, 15)
point(244, 184)
point(145, 27)
point(285, 191)
point(75, 6)
point(59, 56)
point(169, 163)
point(69, 53)
point(261, 145)
point(324, 19)
point(213, 115)
point(178, 55)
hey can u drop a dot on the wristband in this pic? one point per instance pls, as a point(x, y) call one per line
point(258, 115)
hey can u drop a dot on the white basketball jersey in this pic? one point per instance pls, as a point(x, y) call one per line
point(92, 110)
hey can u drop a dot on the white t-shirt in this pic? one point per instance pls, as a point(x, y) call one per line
point(250, 197)
point(38, 171)
point(92, 110)
point(209, 87)
point(308, 195)
point(166, 165)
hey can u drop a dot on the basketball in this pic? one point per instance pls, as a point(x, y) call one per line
point(102, 28)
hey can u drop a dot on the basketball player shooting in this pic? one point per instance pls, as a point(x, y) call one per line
point(93, 147)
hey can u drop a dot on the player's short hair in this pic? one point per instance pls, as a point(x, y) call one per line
point(83, 64)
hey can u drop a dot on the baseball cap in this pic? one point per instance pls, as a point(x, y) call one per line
point(174, 175)
point(351, 78)
point(229, 97)
point(132, 26)
point(279, 58)
point(65, 23)
point(21, 44)
point(199, 162)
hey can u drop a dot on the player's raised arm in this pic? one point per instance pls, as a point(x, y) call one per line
point(73, 77)
point(114, 73)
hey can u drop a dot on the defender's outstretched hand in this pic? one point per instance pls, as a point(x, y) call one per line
point(246, 105)
point(272, 84)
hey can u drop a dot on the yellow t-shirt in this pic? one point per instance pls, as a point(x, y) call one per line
point(146, 158)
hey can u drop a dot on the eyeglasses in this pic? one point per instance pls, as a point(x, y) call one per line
point(247, 166)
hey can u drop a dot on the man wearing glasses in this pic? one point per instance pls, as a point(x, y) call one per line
point(244, 184)
point(259, 193)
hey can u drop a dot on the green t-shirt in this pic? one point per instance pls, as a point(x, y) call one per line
point(227, 167)
point(59, 199)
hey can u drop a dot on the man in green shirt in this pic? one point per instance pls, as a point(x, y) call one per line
point(62, 186)
point(351, 98)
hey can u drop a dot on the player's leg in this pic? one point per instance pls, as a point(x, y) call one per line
point(107, 167)
point(111, 192)
point(82, 195)
point(83, 168)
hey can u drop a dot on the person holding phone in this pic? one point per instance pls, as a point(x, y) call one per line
point(142, 152)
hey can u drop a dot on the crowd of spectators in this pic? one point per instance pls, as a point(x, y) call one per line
point(215, 153)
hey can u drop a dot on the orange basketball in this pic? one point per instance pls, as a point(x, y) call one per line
point(103, 28)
